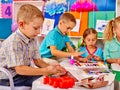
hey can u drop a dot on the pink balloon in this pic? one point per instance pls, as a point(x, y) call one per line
point(14, 26)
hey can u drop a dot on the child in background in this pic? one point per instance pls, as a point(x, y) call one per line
point(112, 41)
point(92, 52)
point(20, 48)
point(57, 39)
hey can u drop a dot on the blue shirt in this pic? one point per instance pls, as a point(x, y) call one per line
point(98, 52)
point(53, 38)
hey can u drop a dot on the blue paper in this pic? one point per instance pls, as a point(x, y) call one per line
point(5, 28)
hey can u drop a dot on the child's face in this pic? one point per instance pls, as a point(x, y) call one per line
point(66, 27)
point(32, 29)
point(117, 31)
point(90, 40)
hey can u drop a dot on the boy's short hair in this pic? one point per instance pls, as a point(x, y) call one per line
point(67, 17)
point(27, 12)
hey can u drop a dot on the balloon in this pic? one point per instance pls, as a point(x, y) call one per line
point(14, 26)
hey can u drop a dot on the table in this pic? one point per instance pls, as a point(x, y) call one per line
point(38, 84)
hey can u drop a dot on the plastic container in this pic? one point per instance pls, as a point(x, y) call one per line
point(116, 70)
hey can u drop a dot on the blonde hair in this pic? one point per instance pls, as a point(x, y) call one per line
point(27, 12)
point(67, 17)
point(109, 29)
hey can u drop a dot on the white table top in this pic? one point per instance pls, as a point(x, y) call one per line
point(38, 84)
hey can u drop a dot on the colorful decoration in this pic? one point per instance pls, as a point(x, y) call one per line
point(6, 1)
point(14, 26)
point(7, 10)
point(53, 7)
point(83, 6)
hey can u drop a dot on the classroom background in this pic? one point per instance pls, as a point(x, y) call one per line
point(88, 13)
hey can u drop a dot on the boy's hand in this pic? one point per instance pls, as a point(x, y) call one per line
point(55, 70)
point(61, 70)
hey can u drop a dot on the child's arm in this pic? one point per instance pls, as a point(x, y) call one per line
point(69, 47)
point(40, 63)
point(61, 54)
point(110, 61)
point(46, 70)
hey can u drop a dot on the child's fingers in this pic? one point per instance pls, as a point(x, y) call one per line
point(81, 52)
point(77, 50)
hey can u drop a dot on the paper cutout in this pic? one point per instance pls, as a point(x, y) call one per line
point(7, 10)
point(100, 25)
point(76, 28)
point(83, 17)
point(47, 25)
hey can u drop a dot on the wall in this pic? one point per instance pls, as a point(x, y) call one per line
point(118, 8)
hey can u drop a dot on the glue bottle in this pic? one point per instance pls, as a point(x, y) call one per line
point(72, 60)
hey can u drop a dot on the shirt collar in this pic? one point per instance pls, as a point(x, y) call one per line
point(22, 36)
point(57, 29)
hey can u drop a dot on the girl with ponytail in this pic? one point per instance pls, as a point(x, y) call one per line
point(112, 41)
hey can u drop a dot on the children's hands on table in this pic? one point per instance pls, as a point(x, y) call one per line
point(118, 61)
point(55, 69)
point(97, 58)
point(90, 56)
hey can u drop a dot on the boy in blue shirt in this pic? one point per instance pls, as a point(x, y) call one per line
point(57, 39)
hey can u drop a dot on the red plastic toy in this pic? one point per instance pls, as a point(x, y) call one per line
point(61, 82)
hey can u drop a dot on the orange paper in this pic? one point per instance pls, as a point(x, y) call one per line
point(83, 16)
